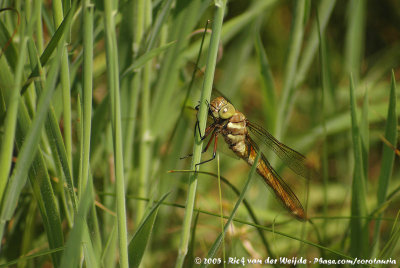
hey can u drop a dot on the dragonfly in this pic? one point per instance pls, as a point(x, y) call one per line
point(245, 138)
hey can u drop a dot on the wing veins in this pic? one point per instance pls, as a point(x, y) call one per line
point(286, 188)
point(293, 159)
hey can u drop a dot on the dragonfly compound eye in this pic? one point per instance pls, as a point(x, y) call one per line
point(227, 111)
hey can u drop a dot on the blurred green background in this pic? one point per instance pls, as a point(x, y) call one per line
point(93, 119)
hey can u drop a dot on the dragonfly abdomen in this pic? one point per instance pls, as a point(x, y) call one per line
point(235, 134)
point(264, 169)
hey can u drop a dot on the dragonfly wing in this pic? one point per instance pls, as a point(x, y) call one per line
point(286, 196)
point(294, 160)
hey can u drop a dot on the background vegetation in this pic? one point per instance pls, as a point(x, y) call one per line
point(91, 121)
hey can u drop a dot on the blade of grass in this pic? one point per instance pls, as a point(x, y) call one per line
point(186, 16)
point(91, 256)
point(159, 21)
point(268, 85)
point(28, 150)
point(296, 37)
point(7, 143)
point(387, 251)
point(38, 24)
point(221, 211)
point(203, 111)
point(247, 206)
point(234, 26)
point(52, 45)
point(143, 59)
point(258, 226)
point(337, 124)
point(387, 58)
point(38, 176)
point(32, 256)
point(190, 258)
point(358, 225)
point(8, 49)
point(213, 250)
point(87, 82)
point(139, 241)
point(135, 31)
point(354, 47)
point(234, 57)
point(28, 236)
point(42, 191)
point(324, 12)
point(145, 131)
point(364, 134)
point(388, 155)
point(65, 83)
point(113, 85)
point(323, 60)
point(52, 129)
point(72, 254)
point(92, 247)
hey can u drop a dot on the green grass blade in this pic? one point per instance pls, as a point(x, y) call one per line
point(11, 121)
point(338, 124)
point(113, 84)
point(358, 226)
point(87, 82)
point(71, 256)
point(364, 134)
point(234, 26)
point(65, 82)
point(246, 205)
point(159, 21)
point(296, 39)
point(387, 251)
point(52, 45)
point(28, 150)
point(221, 211)
point(190, 256)
point(53, 130)
point(268, 85)
point(203, 111)
point(324, 12)
point(45, 197)
point(388, 154)
point(11, 52)
point(143, 59)
point(187, 14)
point(140, 239)
point(32, 256)
point(391, 136)
point(261, 227)
point(213, 250)
point(145, 155)
point(325, 101)
point(42, 189)
point(354, 47)
point(40, 182)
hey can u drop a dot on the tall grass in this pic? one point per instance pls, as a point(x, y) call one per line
point(90, 97)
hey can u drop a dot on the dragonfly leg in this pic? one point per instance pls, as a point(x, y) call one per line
point(196, 127)
point(215, 136)
point(207, 132)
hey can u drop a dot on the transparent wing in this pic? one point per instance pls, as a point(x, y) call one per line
point(294, 160)
point(285, 195)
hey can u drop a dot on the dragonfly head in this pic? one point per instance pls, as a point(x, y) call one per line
point(221, 108)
